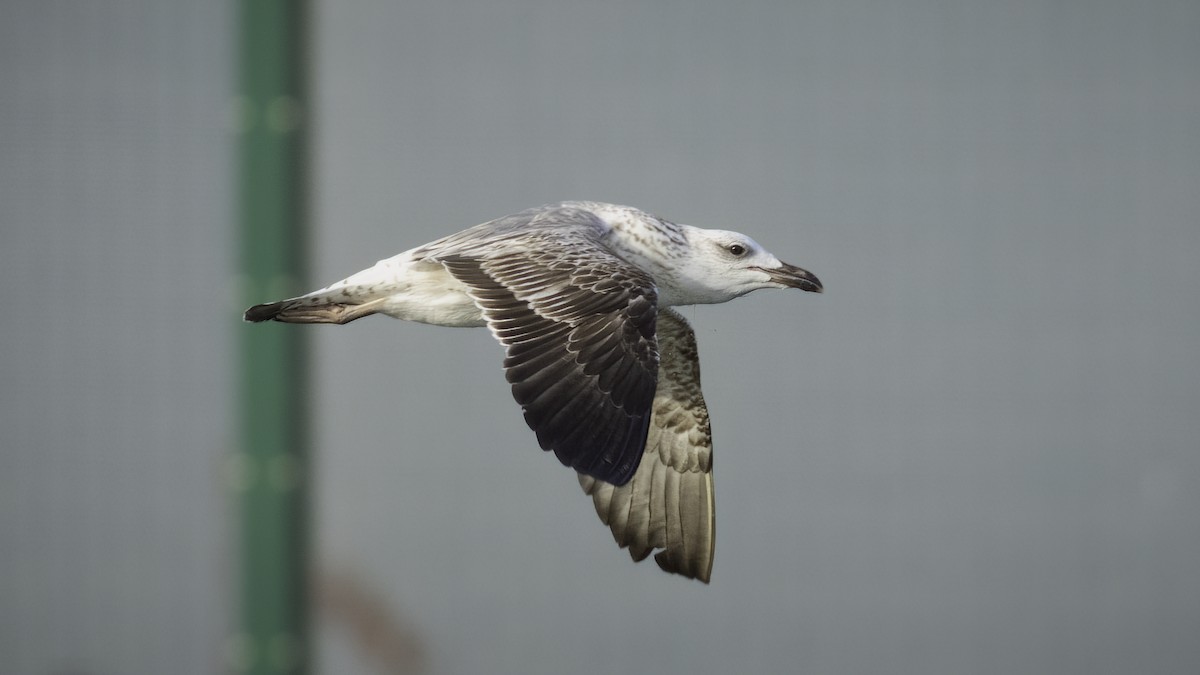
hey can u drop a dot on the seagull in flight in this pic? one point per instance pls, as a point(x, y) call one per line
point(608, 377)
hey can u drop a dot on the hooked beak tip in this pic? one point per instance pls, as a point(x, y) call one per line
point(795, 277)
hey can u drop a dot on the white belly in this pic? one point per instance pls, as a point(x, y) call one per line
point(431, 295)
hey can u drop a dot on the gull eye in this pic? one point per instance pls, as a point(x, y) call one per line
point(737, 250)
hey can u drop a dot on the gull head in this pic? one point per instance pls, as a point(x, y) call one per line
point(721, 265)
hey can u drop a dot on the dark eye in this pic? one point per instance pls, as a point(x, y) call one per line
point(737, 250)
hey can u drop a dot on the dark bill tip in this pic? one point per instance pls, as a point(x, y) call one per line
point(795, 277)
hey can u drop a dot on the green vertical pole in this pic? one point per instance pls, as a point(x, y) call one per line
point(269, 471)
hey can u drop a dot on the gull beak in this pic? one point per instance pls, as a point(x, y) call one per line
point(794, 277)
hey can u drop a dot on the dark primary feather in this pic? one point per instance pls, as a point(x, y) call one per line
point(581, 353)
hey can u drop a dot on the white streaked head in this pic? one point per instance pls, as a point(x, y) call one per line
point(692, 265)
point(721, 265)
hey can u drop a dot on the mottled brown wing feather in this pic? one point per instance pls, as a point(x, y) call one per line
point(668, 504)
point(581, 355)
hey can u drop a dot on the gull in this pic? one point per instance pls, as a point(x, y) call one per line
point(607, 376)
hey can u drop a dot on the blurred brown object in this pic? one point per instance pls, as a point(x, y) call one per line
point(380, 634)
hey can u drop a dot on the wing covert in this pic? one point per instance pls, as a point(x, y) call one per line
point(578, 325)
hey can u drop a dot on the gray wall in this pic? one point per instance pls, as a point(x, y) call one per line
point(115, 245)
point(976, 453)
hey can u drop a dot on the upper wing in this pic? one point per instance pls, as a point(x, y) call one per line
point(669, 503)
point(578, 324)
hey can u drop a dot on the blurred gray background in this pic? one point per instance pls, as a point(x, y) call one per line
point(978, 452)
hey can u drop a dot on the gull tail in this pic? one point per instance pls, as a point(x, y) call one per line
point(319, 307)
point(354, 297)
